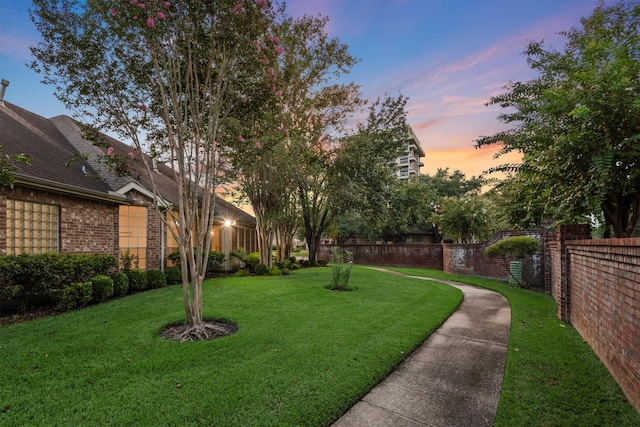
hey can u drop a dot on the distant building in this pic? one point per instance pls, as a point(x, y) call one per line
point(409, 164)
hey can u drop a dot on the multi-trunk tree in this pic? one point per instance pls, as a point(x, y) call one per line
point(176, 70)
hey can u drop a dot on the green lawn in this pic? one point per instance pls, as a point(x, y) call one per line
point(302, 354)
point(552, 378)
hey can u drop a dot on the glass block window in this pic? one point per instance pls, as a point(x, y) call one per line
point(133, 233)
point(31, 227)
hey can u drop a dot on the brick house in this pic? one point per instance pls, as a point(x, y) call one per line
point(67, 200)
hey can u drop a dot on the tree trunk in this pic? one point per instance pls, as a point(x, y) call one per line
point(622, 214)
point(265, 240)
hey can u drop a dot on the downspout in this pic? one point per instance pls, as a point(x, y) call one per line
point(163, 229)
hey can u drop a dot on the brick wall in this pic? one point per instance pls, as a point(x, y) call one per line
point(604, 304)
point(86, 226)
point(400, 255)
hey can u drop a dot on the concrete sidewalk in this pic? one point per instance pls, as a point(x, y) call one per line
point(453, 379)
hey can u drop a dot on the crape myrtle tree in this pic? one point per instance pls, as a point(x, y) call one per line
point(292, 137)
point(578, 123)
point(172, 69)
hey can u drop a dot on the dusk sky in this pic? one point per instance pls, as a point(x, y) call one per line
point(447, 56)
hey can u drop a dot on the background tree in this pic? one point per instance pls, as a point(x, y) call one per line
point(364, 180)
point(174, 69)
point(578, 123)
point(443, 185)
point(291, 130)
point(465, 219)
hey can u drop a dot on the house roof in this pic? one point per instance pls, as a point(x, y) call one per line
point(62, 160)
point(162, 175)
point(50, 154)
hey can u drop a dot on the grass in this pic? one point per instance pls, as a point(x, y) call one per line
point(552, 377)
point(302, 355)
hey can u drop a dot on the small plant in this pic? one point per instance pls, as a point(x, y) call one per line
point(261, 269)
point(156, 279)
point(102, 288)
point(341, 265)
point(128, 261)
point(137, 280)
point(173, 275)
point(120, 283)
point(174, 257)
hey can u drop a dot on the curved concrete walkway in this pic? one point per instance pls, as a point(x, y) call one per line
point(453, 379)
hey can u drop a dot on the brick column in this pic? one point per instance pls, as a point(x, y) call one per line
point(566, 233)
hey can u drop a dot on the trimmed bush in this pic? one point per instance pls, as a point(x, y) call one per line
point(261, 269)
point(156, 279)
point(120, 283)
point(322, 262)
point(137, 280)
point(514, 247)
point(27, 280)
point(76, 295)
point(102, 288)
point(173, 275)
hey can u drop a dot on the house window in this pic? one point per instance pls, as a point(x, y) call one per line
point(133, 233)
point(31, 227)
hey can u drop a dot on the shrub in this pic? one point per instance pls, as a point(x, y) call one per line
point(252, 260)
point(261, 269)
point(156, 279)
point(137, 280)
point(243, 272)
point(322, 262)
point(513, 247)
point(102, 288)
point(173, 275)
point(274, 271)
point(120, 283)
point(305, 263)
point(214, 262)
point(73, 296)
point(27, 280)
point(239, 253)
point(104, 264)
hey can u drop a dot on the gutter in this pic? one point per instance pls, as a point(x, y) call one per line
point(70, 190)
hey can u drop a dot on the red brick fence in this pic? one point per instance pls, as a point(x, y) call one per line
point(596, 284)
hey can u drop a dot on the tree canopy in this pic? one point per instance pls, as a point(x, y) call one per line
point(578, 123)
